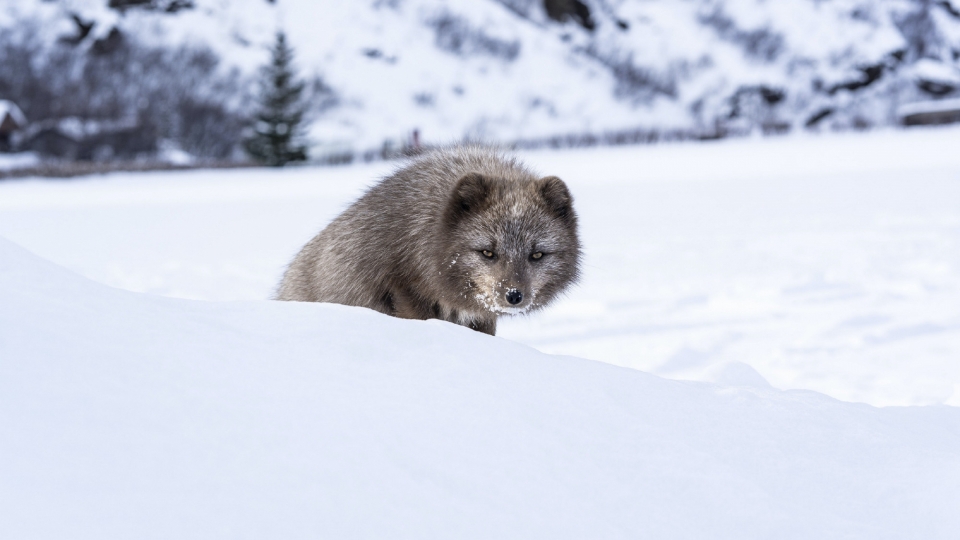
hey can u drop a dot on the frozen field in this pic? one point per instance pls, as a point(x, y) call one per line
point(830, 263)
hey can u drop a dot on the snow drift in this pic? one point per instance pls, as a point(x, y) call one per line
point(131, 416)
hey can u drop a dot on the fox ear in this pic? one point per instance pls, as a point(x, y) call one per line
point(470, 195)
point(557, 198)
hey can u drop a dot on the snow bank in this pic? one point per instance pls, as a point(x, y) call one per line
point(131, 416)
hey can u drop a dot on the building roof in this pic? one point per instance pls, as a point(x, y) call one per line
point(10, 108)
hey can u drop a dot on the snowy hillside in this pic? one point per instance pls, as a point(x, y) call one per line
point(133, 416)
point(511, 70)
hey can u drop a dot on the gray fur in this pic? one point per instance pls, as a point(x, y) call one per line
point(412, 246)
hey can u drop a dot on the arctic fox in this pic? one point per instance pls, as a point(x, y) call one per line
point(463, 234)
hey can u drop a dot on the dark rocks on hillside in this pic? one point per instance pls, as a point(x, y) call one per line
point(936, 88)
point(564, 10)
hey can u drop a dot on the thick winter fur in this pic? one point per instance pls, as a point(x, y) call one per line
point(448, 236)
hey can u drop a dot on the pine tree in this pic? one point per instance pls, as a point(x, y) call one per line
point(277, 133)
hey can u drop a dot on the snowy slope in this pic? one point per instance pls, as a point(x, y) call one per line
point(502, 70)
point(132, 416)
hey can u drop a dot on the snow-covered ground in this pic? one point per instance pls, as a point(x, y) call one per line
point(20, 160)
point(821, 263)
point(127, 415)
point(829, 264)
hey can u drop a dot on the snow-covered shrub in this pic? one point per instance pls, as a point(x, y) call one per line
point(455, 35)
point(156, 93)
point(761, 43)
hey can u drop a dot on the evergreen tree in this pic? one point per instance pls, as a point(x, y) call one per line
point(277, 139)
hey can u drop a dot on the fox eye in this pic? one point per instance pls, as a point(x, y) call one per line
point(537, 255)
point(487, 253)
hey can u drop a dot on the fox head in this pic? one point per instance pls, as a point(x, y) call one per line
point(509, 244)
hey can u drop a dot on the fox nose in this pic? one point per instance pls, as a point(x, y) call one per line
point(514, 296)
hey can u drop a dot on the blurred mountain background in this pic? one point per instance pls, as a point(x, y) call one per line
point(175, 80)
